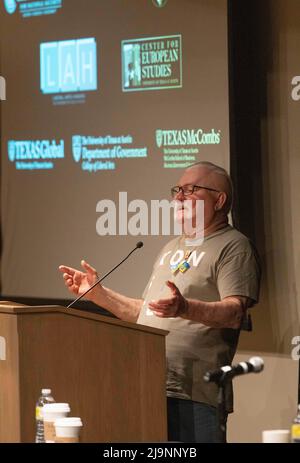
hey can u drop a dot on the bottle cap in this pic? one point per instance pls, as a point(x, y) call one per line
point(46, 391)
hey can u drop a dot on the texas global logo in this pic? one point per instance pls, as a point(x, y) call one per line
point(35, 154)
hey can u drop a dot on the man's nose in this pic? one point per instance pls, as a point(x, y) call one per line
point(179, 196)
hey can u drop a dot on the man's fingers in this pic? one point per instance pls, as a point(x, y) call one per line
point(161, 314)
point(166, 302)
point(173, 287)
point(72, 278)
point(69, 270)
point(161, 304)
point(161, 307)
point(154, 306)
point(73, 289)
point(77, 277)
point(88, 267)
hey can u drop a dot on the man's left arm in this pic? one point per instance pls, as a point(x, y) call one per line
point(227, 313)
point(237, 281)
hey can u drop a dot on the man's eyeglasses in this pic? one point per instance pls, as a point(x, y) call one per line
point(189, 189)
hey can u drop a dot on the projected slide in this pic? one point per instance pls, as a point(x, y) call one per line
point(102, 97)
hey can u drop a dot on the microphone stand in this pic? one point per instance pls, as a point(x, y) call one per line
point(221, 409)
point(221, 412)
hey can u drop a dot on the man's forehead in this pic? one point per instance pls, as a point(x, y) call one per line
point(194, 175)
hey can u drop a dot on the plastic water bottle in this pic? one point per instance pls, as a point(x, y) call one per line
point(295, 431)
point(45, 398)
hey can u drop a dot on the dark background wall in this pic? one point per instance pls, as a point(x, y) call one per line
point(264, 39)
point(265, 160)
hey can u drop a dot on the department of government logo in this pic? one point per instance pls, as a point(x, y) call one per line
point(76, 147)
point(10, 6)
point(159, 3)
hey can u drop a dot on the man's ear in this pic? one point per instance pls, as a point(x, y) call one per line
point(221, 201)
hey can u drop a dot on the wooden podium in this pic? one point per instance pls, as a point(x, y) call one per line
point(112, 373)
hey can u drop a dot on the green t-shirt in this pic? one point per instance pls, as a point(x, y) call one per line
point(224, 264)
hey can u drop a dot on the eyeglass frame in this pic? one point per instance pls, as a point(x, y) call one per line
point(180, 190)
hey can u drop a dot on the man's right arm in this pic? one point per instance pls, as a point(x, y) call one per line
point(77, 282)
point(123, 307)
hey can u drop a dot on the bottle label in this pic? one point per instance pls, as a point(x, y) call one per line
point(295, 432)
point(38, 413)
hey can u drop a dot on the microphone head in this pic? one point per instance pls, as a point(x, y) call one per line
point(140, 244)
point(257, 363)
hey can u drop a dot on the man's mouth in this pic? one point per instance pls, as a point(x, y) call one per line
point(179, 207)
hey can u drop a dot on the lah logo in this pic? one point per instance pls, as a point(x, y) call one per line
point(68, 66)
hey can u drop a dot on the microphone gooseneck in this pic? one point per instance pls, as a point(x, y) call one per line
point(139, 245)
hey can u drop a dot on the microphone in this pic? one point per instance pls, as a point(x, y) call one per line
point(254, 365)
point(139, 245)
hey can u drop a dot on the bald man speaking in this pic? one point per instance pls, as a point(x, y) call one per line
point(201, 301)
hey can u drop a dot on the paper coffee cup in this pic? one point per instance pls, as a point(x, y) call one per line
point(276, 436)
point(67, 430)
point(52, 412)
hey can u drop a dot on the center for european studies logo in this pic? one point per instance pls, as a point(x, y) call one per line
point(68, 66)
point(76, 147)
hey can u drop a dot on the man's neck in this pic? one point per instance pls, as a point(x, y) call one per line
point(211, 228)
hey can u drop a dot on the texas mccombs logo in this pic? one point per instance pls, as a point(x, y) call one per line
point(187, 137)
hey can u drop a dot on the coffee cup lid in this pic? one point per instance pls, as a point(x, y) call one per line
point(69, 421)
point(56, 407)
point(277, 431)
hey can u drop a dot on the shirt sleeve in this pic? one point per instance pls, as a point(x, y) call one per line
point(239, 275)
